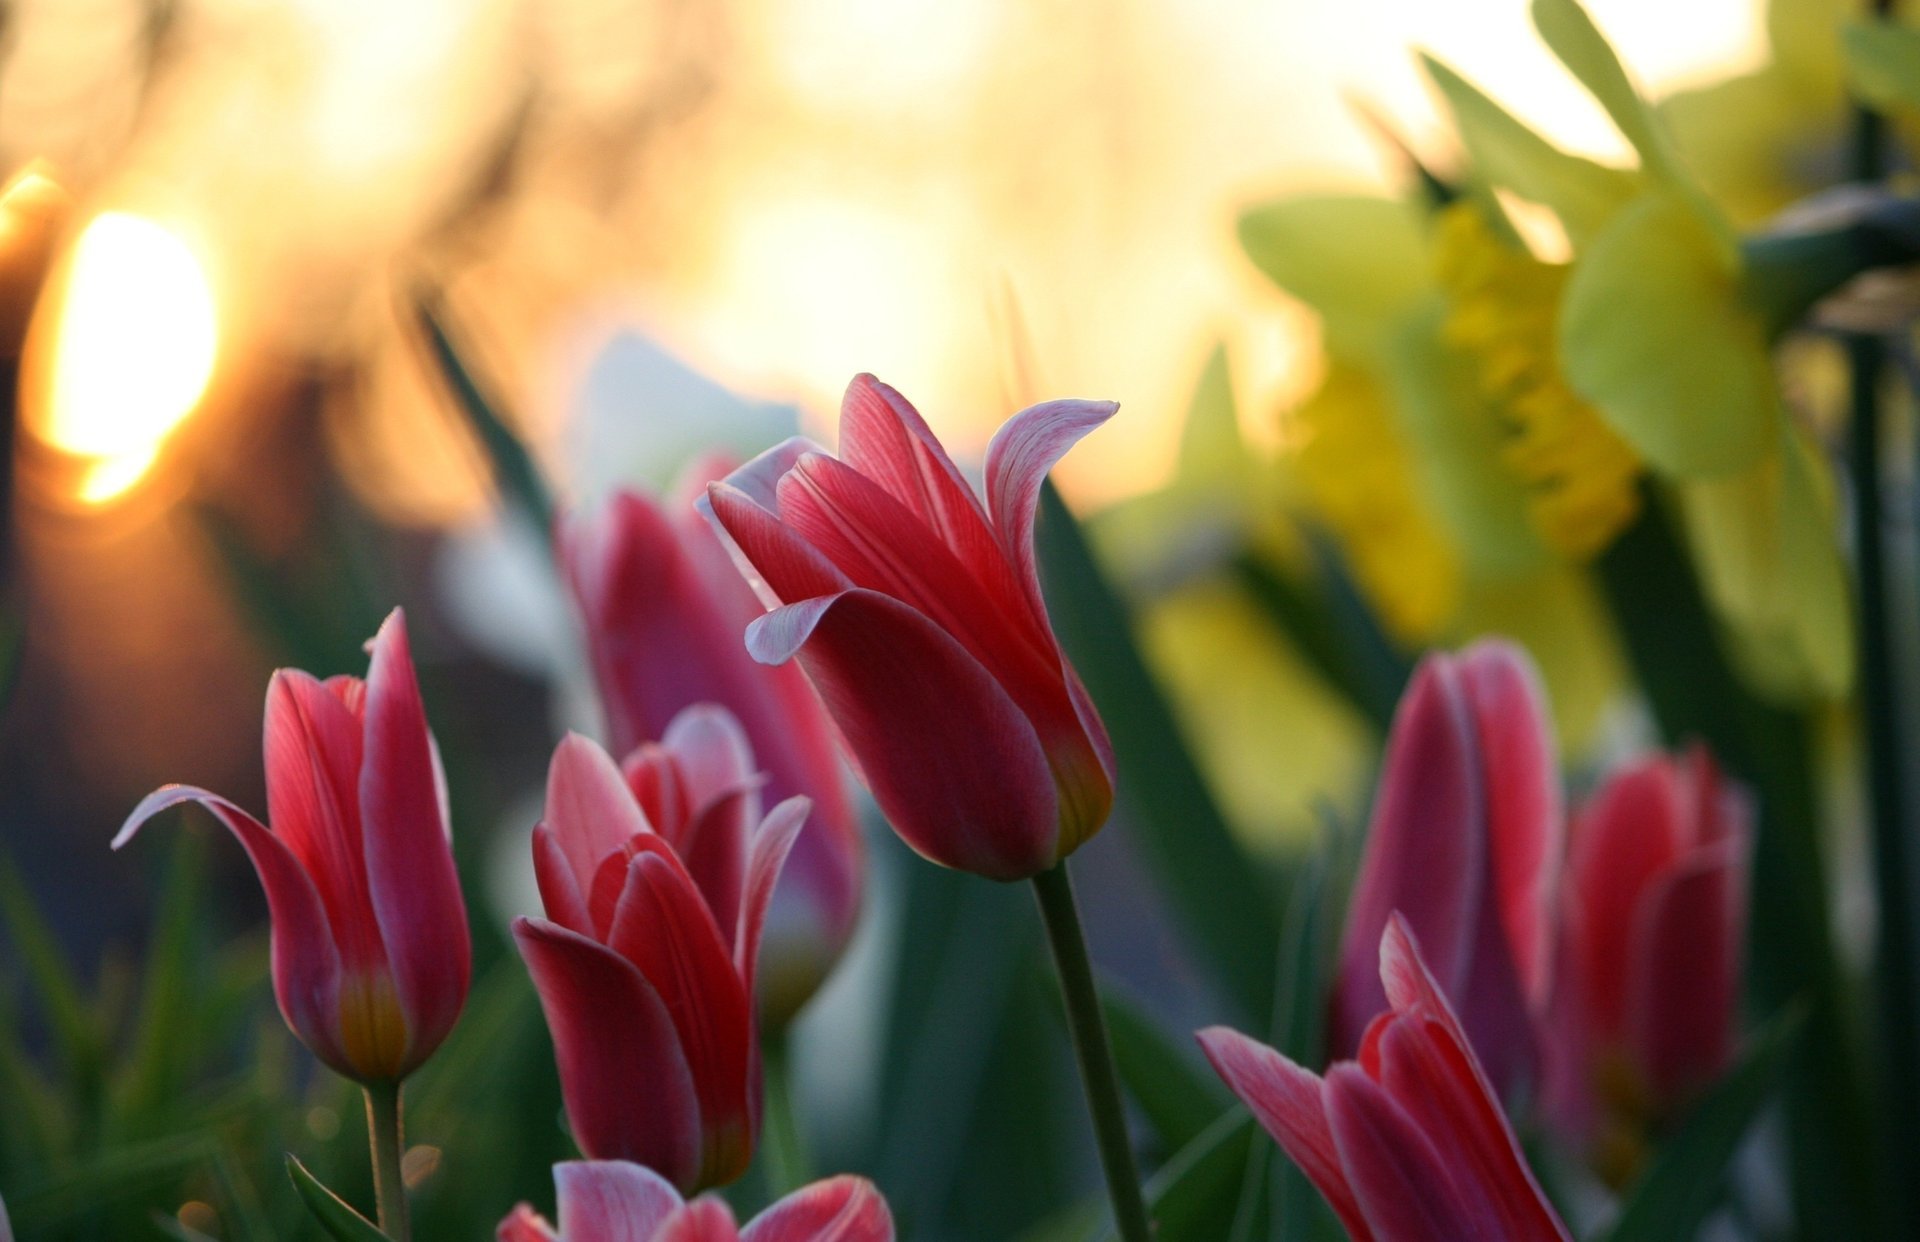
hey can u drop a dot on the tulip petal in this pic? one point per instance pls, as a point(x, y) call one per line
point(1524, 813)
point(664, 928)
point(1633, 829)
point(561, 894)
point(1400, 1180)
point(783, 567)
point(1432, 1075)
point(523, 1224)
point(771, 845)
point(612, 1201)
point(954, 764)
point(883, 438)
point(1425, 853)
point(703, 1220)
point(1683, 978)
point(629, 1092)
point(880, 545)
point(713, 751)
point(306, 964)
point(590, 809)
point(410, 873)
point(840, 1209)
point(1018, 459)
point(313, 754)
point(1289, 1103)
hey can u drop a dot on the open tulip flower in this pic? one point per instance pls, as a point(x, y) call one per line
point(645, 961)
point(662, 608)
point(1465, 844)
point(916, 610)
point(1646, 998)
point(370, 949)
point(1408, 1142)
point(617, 1201)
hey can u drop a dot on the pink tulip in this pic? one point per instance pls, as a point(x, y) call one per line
point(1655, 903)
point(1465, 843)
point(1408, 1143)
point(614, 1201)
point(370, 949)
point(645, 961)
point(663, 607)
point(917, 612)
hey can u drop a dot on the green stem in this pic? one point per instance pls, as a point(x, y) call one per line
point(389, 1187)
point(787, 1163)
point(1091, 1049)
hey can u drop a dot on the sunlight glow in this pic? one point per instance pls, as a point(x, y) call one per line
point(131, 352)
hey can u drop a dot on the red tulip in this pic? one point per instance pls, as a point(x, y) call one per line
point(916, 610)
point(1407, 1143)
point(615, 1201)
point(1655, 904)
point(1465, 843)
point(370, 949)
point(645, 961)
point(662, 607)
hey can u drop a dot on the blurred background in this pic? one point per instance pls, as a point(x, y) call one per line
point(656, 224)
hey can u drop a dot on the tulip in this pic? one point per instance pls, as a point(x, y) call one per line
point(605, 1200)
point(370, 951)
point(1407, 1143)
point(662, 607)
point(916, 611)
point(645, 961)
point(1465, 843)
point(1647, 993)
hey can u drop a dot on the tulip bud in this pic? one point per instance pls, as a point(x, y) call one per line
point(1408, 1142)
point(645, 961)
point(1646, 1001)
point(370, 951)
point(916, 611)
point(662, 607)
point(614, 1199)
point(1465, 844)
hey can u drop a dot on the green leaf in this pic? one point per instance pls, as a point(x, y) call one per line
point(1212, 452)
point(167, 1029)
point(1176, 1091)
point(1573, 37)
point(1195, 1195)
point(77, 1035)
point(341, 1222)
point(1883, 64)
point(1507, 153)
point(1654, 332)
point(1359, 261)
point(1216, 890)
point(514, 471)
point(1675, 1196)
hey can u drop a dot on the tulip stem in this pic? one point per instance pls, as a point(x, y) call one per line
point(1092, 1050)
point(786, 1149)
point(389, 1186)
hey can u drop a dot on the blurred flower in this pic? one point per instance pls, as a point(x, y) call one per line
point(663, 608)
point(603, 1200)
point(1442, 501)
point(1408, 1142)
point(1465, 846)
point(370, 950)
point(1653, 923)
point(1666, 328)
point(645, 960)
point(1503, 306)
point(918, 615)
